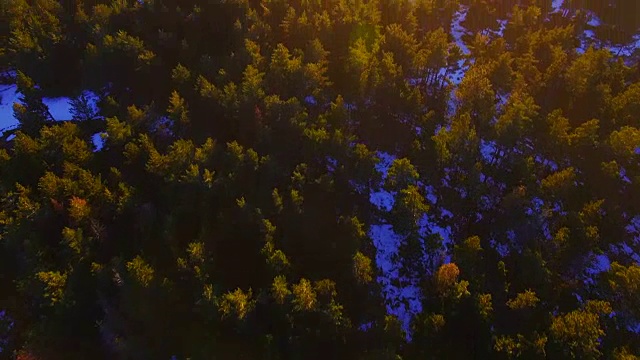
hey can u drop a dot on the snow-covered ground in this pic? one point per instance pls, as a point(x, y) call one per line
point(59, 107)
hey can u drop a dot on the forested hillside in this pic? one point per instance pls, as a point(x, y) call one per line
point(229, 211)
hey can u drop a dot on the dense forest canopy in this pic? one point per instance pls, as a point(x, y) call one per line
point(228, 213)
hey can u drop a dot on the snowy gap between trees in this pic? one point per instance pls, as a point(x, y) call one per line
point(60, 109)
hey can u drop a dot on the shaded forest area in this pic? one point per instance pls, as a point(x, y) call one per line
point(227, 213)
